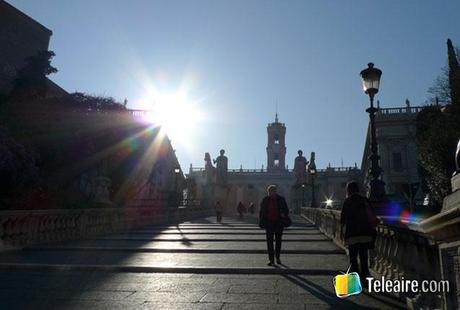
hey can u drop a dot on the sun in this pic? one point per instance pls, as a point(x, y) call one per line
point(176, 113)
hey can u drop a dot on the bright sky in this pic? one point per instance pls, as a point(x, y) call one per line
point(230, 62)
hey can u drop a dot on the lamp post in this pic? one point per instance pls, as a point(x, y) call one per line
point(303, 195)
point(312, 170)
point(371, 82)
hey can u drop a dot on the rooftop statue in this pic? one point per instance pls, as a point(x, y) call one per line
point(312, 165)
point(209, 169)
point(221, 168)
point(300, 169)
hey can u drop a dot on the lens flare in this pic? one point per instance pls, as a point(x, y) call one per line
point(175, 113)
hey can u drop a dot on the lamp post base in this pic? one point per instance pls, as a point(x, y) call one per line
point(377, 191)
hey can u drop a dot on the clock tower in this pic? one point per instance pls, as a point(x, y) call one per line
point(276, 147)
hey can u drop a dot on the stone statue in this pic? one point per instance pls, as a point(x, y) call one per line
point(457, 158)
point(222, 168)
point(312, 165)
point(208, 169)
point(300, 168)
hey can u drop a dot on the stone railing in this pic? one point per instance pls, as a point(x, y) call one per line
point(20, 228)
point(400, 252)
point(328, 169)
point(398, 112)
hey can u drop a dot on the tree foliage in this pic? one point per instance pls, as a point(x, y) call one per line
point(440, 91)
point(76, 141)
point(31, 81)
point(438, 131)
point(95, 103)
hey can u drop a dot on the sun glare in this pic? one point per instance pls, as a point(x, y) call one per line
point(176, 113)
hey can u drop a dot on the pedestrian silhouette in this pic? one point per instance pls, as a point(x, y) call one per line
point(273, 212)
point(358, 229)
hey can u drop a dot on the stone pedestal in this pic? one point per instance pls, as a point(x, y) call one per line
point(453, 200)
point(100, 190)
point(299, 196)
point(221, 194)
point(445, 228)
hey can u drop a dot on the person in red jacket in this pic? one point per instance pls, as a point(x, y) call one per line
point(272, 210)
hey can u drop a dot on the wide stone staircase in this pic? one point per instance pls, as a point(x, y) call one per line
point(194, 265)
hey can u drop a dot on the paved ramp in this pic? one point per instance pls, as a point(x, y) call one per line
point(194, 265)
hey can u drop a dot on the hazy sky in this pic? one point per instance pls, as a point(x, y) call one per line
point(238, 59)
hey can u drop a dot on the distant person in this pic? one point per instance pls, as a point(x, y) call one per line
point(359, 222)
point(252, 208)
point(218, 208)
point(272, 211)
point(241, 209)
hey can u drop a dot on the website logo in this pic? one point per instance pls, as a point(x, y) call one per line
point(347, 284)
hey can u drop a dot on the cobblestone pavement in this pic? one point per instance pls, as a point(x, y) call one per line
point(194, 265)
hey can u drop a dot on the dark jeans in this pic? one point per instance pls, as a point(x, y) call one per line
point(219, 216)
point(361, 250)
point(276, 234)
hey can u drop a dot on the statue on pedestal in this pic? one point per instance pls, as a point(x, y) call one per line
point(221, 168)
point(312, 165)
point(300, 169)
point(209, 169)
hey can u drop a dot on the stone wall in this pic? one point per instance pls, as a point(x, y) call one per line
point(21, 228)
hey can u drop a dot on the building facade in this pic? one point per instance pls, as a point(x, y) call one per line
point(396, 132)
point(250, 185)
point(396, 137)
point(21, 37)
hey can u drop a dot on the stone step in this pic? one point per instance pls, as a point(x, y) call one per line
point(176, 250)
point(276, 270)
point(189, 240)
point(196, 232)
point(156, 229)
point(180, 244)
point(259, 237)
point(224, 260)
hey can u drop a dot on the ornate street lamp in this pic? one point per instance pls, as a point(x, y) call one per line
point(312, 170)
point(371, 82)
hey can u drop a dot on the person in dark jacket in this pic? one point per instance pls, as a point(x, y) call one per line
point(272, 210)
point(241, 208)
point(218, 208)
point(359, 232)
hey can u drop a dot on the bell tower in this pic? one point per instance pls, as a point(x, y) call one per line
point(276, 147)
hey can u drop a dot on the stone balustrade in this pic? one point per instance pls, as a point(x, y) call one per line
point(265, 171)
point(400, 252)
point(20, 228)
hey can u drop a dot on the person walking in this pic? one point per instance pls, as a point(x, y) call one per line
point(252, 208)
point(273, 209)
point(218, 208)
point(241, 209)
point(358, 224)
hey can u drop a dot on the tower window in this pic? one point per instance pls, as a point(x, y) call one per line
point(276, 138)
point(397, 161)
point(276, 163)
